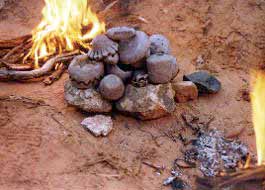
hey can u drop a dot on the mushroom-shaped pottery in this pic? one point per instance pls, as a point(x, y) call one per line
point(85, 73)
point(118, 71)
point(159, 44)
point(134, 50)
point(111, 87)
point(161, 68)
point(104, 48)
point(121, 33)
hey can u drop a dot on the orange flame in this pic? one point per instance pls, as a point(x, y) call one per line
point(258, 115)
point(66, 24)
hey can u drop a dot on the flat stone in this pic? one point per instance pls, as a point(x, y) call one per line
point(149, 102)
point(88, 100)
point(206, 83)
point(161, 68)
point(185, 91)
point(98, 125)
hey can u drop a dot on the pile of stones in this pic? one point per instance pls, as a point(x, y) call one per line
point(133, 72)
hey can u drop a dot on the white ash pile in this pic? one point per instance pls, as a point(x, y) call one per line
point(132, 71)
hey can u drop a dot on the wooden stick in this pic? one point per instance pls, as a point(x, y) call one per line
point(6, 44)
point(45, 69)
point(107, 9)
point(13, 51)
point(16, 67)
point(55, 75)
point(250, 174)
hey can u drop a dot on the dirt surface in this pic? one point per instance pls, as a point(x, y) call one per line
point(43, 146)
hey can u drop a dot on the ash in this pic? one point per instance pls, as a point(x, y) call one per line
point(215, 153)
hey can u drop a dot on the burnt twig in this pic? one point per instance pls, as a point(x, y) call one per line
point(157, 168)
point(249, 174)
point(7, 44)
point(55, 75)
point(16, 67)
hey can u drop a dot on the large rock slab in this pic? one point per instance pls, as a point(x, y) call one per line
point(149, 102)
point(88, 100)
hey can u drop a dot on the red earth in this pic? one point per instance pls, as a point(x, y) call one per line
point(43, 146)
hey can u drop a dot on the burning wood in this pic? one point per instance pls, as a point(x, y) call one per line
point(65, 28)
point(47, 67)
point(244, 178)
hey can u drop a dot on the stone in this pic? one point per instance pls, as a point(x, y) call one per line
point(149, 102)
point(99, 125)
point(206, 83)
point(159, 44)
point(161, 68)
point(111, 87)
point(85, 73)
point(185, 91)
point(121, 33)
point(134, 50)
point(88, 100)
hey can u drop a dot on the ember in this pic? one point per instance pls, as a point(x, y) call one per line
point(215, 153)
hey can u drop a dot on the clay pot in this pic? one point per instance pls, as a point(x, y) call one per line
point(85, 73)
point(111, 87)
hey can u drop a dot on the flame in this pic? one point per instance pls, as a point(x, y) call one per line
point(66, 24)
point(258, 115)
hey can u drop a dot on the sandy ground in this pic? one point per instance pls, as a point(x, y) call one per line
point(43, 146)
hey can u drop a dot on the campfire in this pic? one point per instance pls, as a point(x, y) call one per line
point(66, 26)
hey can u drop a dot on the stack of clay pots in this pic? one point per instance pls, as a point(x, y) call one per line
point(120, 58)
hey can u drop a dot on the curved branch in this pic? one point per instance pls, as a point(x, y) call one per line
point(47, 67)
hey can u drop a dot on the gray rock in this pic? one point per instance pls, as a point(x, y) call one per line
point(159, 44)
point(134, 50)
point(121, 33)
point(111, 87)
point(206, 83)
point(98, 125)
point(149, 102)
point(161, 68)
point(88, 100)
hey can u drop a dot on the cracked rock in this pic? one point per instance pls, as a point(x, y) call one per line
point(98, 125)
point(149, 102)
point(88, 100)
